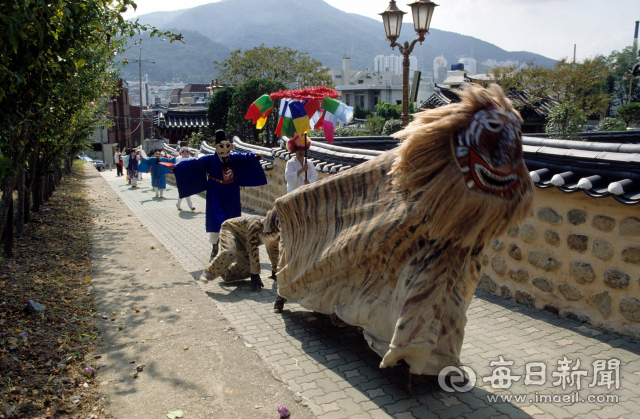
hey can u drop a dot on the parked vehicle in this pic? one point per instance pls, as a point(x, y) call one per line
point(98, 164)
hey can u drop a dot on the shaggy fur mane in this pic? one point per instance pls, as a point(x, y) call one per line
point(426, 169)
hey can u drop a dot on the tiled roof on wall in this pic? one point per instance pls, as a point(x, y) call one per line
point(597, 169)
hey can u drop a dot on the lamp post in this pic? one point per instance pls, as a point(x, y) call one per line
point(422, 11)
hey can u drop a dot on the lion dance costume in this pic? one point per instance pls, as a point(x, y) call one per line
point(394, 245)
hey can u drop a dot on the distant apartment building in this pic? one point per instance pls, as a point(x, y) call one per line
point(366, 87)
point(439, 69)
point(190, 94)
point(469, 65)
point(394, 63)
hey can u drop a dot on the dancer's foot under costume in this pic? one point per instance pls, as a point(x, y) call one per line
point(239, 254)
point(394, 245)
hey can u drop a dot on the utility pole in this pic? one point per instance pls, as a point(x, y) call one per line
point(140, 61)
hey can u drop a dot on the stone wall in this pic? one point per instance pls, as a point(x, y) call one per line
point(575, 256)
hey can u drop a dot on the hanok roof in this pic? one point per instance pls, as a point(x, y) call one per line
point(182, 118)
point(597, 169)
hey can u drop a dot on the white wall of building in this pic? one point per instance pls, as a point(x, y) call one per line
point(439, 69)
point(469, 65)
point(394, 63)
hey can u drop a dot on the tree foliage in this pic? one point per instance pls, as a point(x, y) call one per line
point(610, 124)
point(219, 108)
point(621, 63)
point(296, 70)
point(388, 111)
point(629, 113)
point(583, 84)
point(242, 99)
point(56, 71)
point(565, 121)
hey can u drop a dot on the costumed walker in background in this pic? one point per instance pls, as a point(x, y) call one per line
point(221, 174)
point(159, 167)
point(239, 255)
point(394, 245)
point(130, 162)
point(299, 171)
point(183, 154)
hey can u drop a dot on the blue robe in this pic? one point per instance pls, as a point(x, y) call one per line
point(223, 200)
point(132, 167)
point(158, 170)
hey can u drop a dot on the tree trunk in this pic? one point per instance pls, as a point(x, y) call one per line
point(19, 218)
point(31, 175)
point(7, 235)
point(6, 203)
point(37, 188)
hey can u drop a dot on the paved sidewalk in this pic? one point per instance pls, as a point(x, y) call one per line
point(333, 368)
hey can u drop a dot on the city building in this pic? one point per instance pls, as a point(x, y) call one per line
point(190, 94)
point(394, 63)
point(439, 69)
point(119, 112)
point(469, 65)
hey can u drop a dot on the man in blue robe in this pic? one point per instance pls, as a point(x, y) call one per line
point(221, 174)
point(159, 168)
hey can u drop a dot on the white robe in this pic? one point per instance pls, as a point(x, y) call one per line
point(293, 180)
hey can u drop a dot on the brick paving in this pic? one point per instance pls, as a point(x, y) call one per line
point(336, 373)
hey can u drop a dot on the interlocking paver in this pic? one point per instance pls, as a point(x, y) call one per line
point(335, 370)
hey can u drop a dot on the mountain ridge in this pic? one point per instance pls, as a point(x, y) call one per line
point(326, 33)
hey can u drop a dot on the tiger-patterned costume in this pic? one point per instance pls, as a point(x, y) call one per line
point(394, 245)
point(239, 254)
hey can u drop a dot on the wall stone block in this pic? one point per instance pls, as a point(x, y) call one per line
point(578, 242)
point(552, 237)
point(577, 316)
point(543, 261)
point(542, 284)
point(607, 328)
point(630, 332)
point(549, 215)
point(514, 231)
point(602, 249)
point(582, 272)
point(552, 308)
point(630, 227)
point(514, 251)
point(498, 264)
point(616, 279)
point(505, 292)
point(631, 255)
point(497, 244)
point(630, 308)
point(486, 283)
point(529, 234)
point(569, 292)
point(520, 275)
point(602, 301)
point(485, 259)
point(525, 298)
point(603, 223)
point(577, 217)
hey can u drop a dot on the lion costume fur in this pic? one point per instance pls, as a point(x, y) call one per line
point(394, 245)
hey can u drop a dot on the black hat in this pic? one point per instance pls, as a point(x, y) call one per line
point(220, 136)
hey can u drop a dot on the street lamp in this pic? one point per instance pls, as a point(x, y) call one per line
point(422, 11)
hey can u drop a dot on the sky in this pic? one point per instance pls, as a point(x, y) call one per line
point(546, 27)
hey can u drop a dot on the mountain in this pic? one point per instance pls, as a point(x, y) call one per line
point(324, 32)
point(191, 62)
